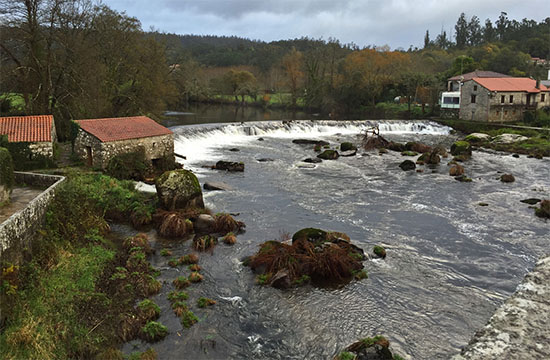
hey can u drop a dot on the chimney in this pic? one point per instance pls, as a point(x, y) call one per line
point(537, 84)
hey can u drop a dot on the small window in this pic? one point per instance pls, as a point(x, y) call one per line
point(511, 99)
point(502, 99)
point(475, 87)
point(542, 97)
point(456, 100)
point(473, 100)
point(498, 112)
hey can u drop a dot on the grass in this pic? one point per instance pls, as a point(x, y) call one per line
point(48, 321)
point(188, 319)
point(203, 302)
point(75, 296)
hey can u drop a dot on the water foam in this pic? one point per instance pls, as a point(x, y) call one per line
point(201, 142)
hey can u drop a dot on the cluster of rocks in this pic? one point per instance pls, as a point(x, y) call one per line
point(325, 152)
point(370, 348)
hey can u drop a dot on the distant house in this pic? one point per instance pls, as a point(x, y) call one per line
point(501, 99)
point(99, 140)
point(453, 83)
point(37, 130)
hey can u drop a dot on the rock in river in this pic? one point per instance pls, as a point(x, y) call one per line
point(229, 166)
point(178, 189)
point(214, 185)
point(407, 165)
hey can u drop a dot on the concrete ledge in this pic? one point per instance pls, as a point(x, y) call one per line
point(520, 328)
point(17, 231)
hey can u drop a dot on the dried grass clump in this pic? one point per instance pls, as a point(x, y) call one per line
point(194, 267)
point(181, 282)
point(322, 263)
point(189, 259)
point(173, 224)
point(195, 277)
point(229, 239)
point(179, 308)
point(371, 142)
point(204, 243)
point(225, 224)
point(139, 241)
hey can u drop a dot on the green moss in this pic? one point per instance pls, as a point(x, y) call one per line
point(263, 279)
point(360, 275)
point(345, 355)
point(397, 357)
point(370, 341)
point(379, 251)
point(302, 280)
point(154, 331)
point(409, 153)
point(461, 148)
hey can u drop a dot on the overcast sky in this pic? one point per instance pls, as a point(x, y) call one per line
point(398, 23)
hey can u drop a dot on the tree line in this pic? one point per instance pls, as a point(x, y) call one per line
point(80, 59)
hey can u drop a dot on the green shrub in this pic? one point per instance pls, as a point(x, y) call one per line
point(188, 319)
point(23, 158)
point(6, 168)
point(129, 166)
point(154, 331)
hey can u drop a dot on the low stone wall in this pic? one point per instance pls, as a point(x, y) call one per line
point(520, 328)
point(17, 231)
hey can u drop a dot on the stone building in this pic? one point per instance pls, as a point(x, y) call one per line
point(37, 130)
point(453, 83)
point(501, 99)
point(99, 140)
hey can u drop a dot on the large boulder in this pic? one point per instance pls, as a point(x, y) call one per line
point(329, 155)
point(418, 147)
point(179, 189)
point(204, 224)
point(462, 149)
point(347, 146)
point(229, 166)
point(508, 138)
point(407, 165)
point(477, 137)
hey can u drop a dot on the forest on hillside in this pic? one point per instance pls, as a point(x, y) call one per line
point(80, 59)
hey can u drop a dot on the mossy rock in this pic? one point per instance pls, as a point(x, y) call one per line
point(409, 153)
point(544, 210)
point(347, 146)
point(329, 155)
point(407, 165)
point(477, 138)
point(179, 189)
point(379, 251)
point(316, 236)
point(461, 148)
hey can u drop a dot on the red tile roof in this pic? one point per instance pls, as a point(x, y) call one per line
point(123, 128)
point(510, 84)
point(478, 74)
point(36, 128)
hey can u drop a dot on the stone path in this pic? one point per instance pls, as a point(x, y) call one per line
point(19, 199)
point(520, 328)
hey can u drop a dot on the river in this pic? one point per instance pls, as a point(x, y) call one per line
point(450, 261)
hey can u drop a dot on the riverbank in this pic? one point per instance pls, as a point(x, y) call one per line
point(520, 328)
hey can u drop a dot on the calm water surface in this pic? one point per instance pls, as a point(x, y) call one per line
point(450, 261)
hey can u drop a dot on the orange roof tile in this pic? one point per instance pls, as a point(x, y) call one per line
point(36, 128)
point(510, 84)
point(123, 128)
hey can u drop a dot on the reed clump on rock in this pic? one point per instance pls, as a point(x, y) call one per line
point(314, 254)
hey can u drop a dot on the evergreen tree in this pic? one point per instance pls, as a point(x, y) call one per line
point(461, 31)
point(489, 34)
point(427, 39)
point(475, 35)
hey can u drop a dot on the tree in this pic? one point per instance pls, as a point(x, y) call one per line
point(475, 35)
point(461, 31)
point(502, 25)
point(241, 83)
point(427, 41)
point(489, 34)
point(292, 64)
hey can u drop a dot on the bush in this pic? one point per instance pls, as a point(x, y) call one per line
point(6, 168)
point(129, 166)
point(23, 158)
point(154, 331)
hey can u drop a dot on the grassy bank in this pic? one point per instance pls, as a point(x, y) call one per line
point(537, 144)
point(66, 301)
point(276, 100)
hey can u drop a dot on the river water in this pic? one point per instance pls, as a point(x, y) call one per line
point(450, 261)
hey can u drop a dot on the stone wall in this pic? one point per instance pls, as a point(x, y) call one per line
point(17, 231)
point(4, 194)
point(42, 148)
point(520, 328)
point(477, 111)
point(155, 147)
